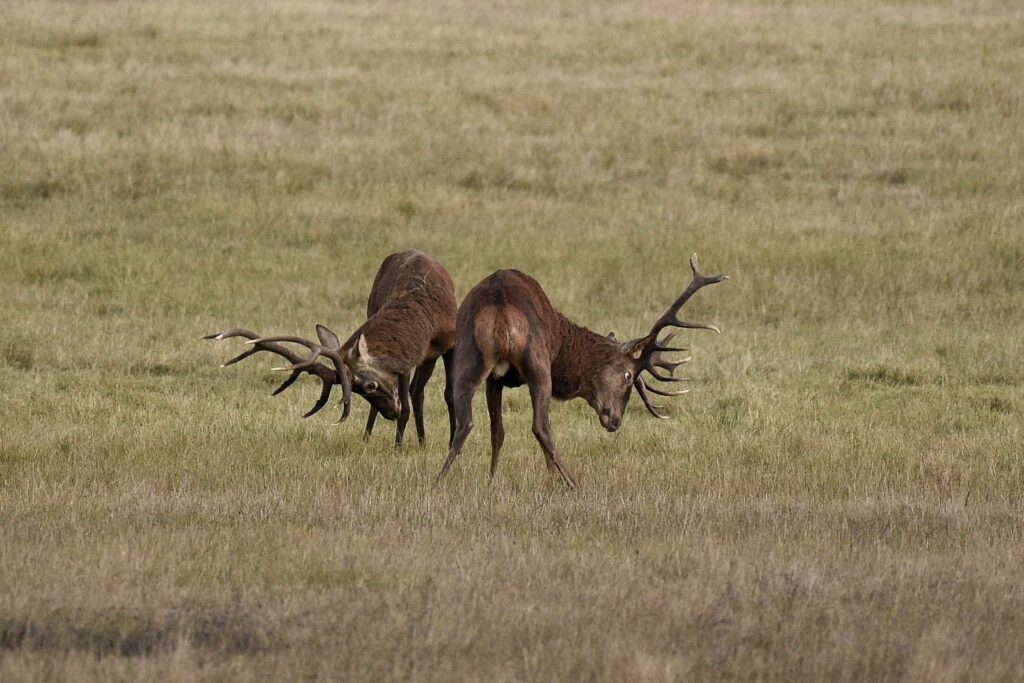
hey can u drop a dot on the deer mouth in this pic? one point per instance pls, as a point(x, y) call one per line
point(386, 408)
point(609, 423)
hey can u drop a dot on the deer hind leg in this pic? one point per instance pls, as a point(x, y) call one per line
point(419, 384)
point(497, 428)
point(449, 392)
point(470, 369)
point(369, 422)
point(406, 409)
point(539, 379)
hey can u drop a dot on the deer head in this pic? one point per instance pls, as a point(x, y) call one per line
point(622, 365)
point(609, 388)
point(373, 381)
point(361, 369)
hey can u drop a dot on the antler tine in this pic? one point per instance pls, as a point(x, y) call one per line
point(670, 366)
point(255, 339)
point(652, 366)
point(342, 372)
point(344, 413)
point(287, 383)
point(233, 332)
point(641, 388)
point(654, 358)
point(241, 356)
point(312, 346)
point(662, 392)
point(659, 346)
point(660, 377)
point(325, 394)
point(328, 377)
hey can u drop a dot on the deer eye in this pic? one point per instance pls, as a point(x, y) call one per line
point(629, 377)
point(370, 387)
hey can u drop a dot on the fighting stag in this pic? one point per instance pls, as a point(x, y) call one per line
point(510, 334)
point(390, 358)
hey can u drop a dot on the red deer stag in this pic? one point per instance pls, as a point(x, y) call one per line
point(510, 333)
point(390, 357)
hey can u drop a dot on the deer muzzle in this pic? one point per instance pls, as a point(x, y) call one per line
point(609, 421)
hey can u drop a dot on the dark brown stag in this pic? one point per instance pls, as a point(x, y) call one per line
point(510, 334)
point(390, 358)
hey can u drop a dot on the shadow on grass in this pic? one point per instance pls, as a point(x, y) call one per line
point(17, 354)
point(24, 190)
point(128, 634)
point(886, 375)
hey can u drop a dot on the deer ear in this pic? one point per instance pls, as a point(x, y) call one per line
point(328, 338)
point(611, 336)
point(633, 348)
point(362, 349)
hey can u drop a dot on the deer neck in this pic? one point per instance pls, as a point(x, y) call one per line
point(396, 336)
point(582, 356)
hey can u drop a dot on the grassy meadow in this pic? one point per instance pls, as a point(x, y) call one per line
point(841, 496)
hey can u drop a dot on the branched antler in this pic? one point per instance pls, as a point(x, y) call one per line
point(329, 347)
point(652, 360)
point(651, 349)
point(328, 377)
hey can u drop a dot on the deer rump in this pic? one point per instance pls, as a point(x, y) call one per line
point(505, 314)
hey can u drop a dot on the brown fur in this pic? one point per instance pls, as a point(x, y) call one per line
point(410, 311)
point(501, 335)
point(389, 359)
point(410, 324)
point(508, 319)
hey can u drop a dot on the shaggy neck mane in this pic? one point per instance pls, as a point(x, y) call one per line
point(395, 333)
point(582, 355)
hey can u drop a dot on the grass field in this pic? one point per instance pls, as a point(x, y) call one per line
point(840, 497)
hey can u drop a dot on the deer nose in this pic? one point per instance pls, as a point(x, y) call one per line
point(608, 422)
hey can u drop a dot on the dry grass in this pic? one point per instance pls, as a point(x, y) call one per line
point(839, 498)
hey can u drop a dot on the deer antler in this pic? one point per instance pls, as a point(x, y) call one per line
point(328, 377)
point(329, 347)
point(651, 349)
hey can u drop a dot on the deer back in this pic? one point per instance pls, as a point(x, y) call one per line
point(410, 312)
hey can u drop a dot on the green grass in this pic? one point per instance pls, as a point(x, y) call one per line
point(840, 497)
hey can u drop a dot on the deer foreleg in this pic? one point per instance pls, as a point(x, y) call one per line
point(449, 392)
point(371, 418)
point(419, 384)
point(540, 394)
point(406, 403)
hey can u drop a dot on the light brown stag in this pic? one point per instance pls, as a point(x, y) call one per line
point(390, 358)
